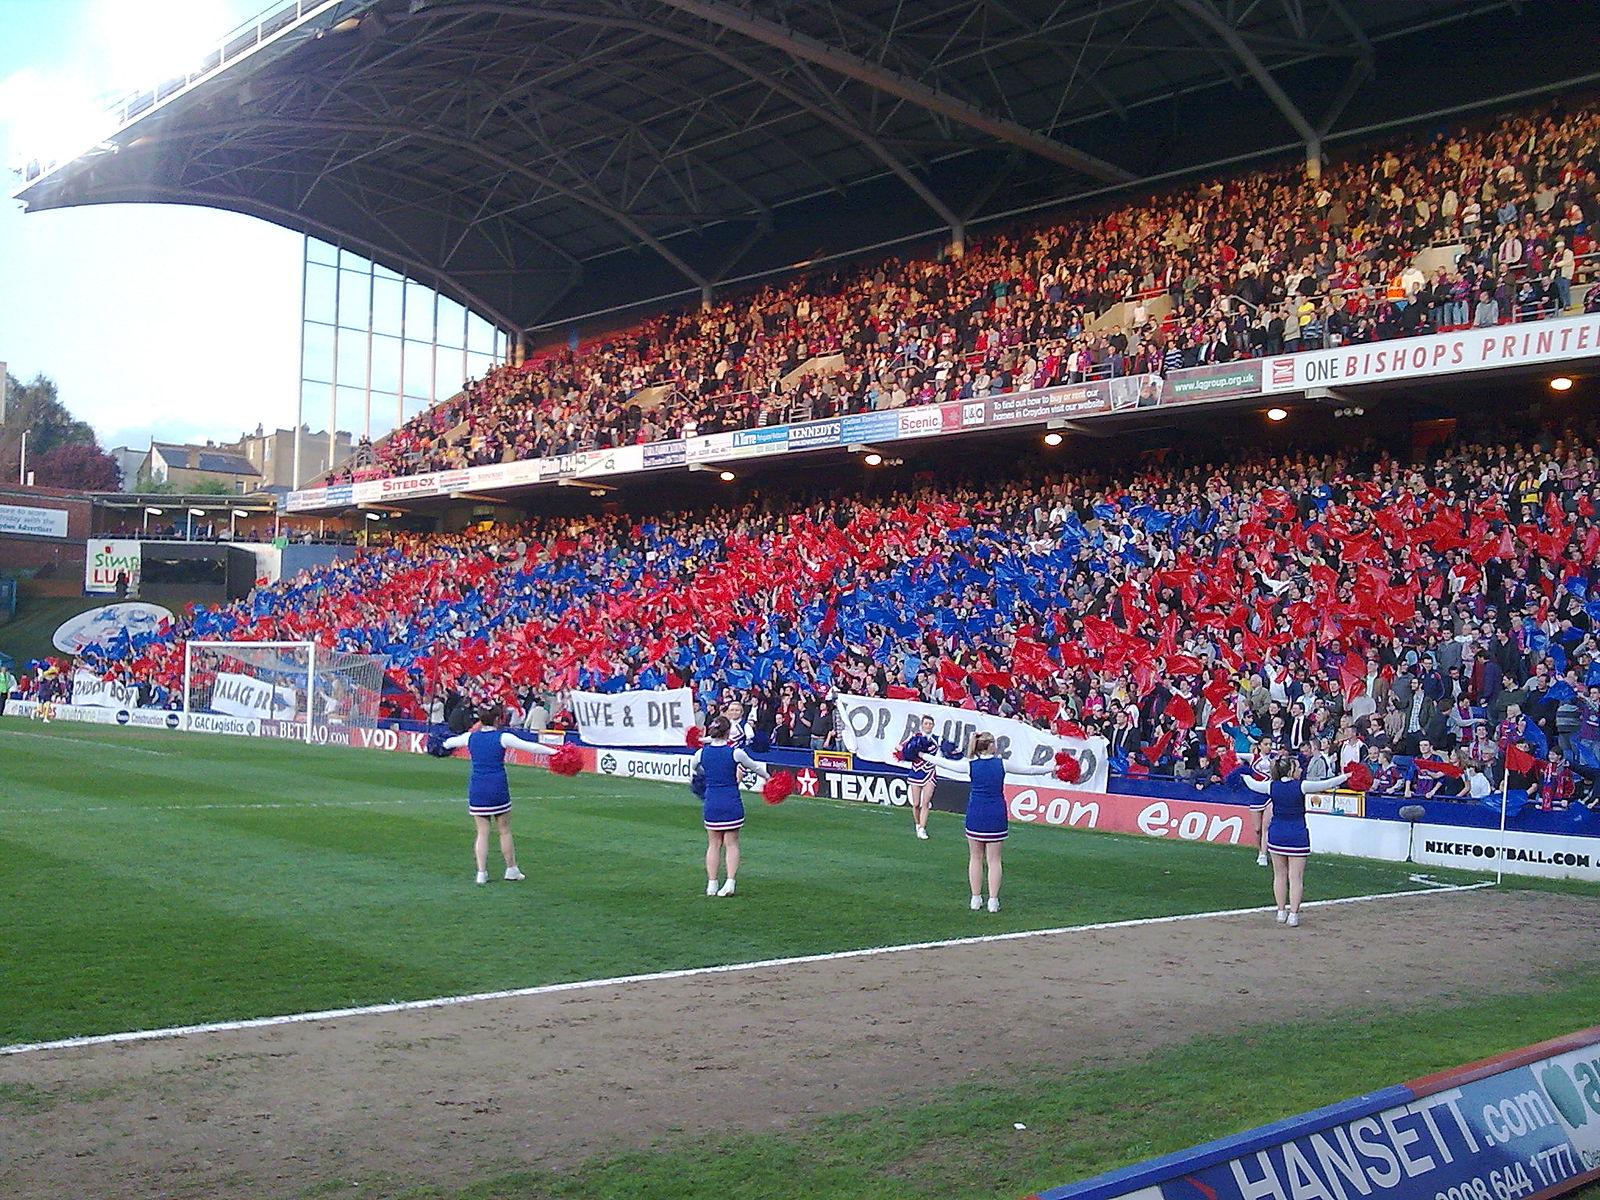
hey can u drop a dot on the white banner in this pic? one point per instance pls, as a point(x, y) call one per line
point(872, 728)
point(634, 718)
point(104, 561)
point(104, 624)
point(90, 692)
point(242, 696)
point(1438, 354)
point(34, 522)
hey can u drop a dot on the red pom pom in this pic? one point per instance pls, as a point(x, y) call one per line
point(1070, 729)
point(1359, 777)
point(1069, 771)
point(778, 788)
point(567, 761)
point(900, 754)
point(694, 738)
point(1063, 757)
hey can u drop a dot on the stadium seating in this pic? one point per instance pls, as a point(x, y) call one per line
point(1478, 226)
point(1326, 606)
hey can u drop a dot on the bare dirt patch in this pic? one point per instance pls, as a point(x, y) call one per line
point(445, 1095)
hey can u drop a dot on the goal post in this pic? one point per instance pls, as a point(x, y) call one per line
point(295, 682)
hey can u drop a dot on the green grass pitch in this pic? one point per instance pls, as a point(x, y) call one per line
point(150, 880)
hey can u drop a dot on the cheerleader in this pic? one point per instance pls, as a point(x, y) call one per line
point(1288, 838)
point(488, 793)
point(986, 810)
point(714, 770)
point(920, 783)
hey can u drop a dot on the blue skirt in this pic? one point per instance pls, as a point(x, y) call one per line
point(723, 813)
point(986, 820)
point(921, 774)
point(1289, 837)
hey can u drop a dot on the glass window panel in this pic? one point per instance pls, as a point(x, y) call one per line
point(317, 361)
point(480, 336)
point(386, 295)
point(319, 293)
point(352, 410)
point(419, 369)
point(353, 299)
point(449, 379)
point(452, 319)
point(383, 272)
point(419, 312)
point(352, 358)
point(385, 365)
point(321, 252)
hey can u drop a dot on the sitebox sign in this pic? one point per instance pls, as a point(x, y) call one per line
point(1525, 1124)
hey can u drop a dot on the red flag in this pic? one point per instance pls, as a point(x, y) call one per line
point(897, 692)
point(1180, 710)
point(1520, 761)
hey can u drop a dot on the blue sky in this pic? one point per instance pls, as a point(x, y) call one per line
point(155, 320)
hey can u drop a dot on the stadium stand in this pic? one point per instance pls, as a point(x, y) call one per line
point(1482, 226)
point(1338, 606)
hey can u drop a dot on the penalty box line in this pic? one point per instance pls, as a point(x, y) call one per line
point(579, 985)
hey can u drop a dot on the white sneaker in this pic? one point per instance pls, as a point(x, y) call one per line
point(994, 903)
point(1283, 917)
point(922, 834)
point(726, 889)
point(977, 903)
point(1293, 921)
point(1261, 859)
point(711, 887)
point(483, 877)
point(514, 875)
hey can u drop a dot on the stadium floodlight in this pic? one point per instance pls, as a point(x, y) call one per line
point(1561, 383)
point(726, 476)
point(372, 516)
point(241, 512)
point(155, 512)
point(1053, 438)
point(874, 459)
point(1277, 414)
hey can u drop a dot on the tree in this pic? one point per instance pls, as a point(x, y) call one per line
point(211, 487)
point(78, 466)
point(34, 408)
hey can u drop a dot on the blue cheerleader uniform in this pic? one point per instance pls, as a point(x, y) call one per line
point(1287, 833)
point(723, 806)
point(920, 769)
point(986, 801)
point(488, 793)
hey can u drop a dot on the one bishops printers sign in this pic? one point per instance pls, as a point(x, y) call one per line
point(872, 728)
point(634, 718)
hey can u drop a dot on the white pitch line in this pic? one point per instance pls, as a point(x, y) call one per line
point(8, 810)
point(78, 741)
point(580, 985)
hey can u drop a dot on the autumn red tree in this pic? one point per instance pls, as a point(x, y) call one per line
point(79, 466)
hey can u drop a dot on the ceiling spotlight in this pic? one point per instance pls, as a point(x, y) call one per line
point(1277, 414)
point(371, 516)
point(726, 476)
point(1561, 383)
point(1053, 439)
point(874, 459)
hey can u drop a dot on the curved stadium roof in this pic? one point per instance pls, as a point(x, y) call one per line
point(541, 162)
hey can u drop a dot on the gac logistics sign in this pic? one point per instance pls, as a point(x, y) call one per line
point(1438, 354)
point(671, 768)
point(1526, 1124)
point(1187, 820)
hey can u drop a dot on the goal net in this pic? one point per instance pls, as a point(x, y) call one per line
point(297, 682)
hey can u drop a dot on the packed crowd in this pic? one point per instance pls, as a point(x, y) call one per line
point(1257, 265)
point(1439, 620)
